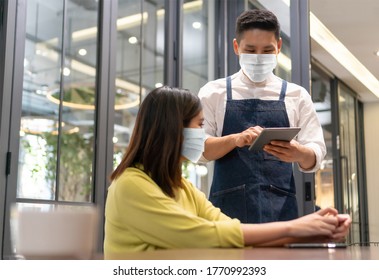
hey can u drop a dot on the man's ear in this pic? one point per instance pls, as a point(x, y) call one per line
point(280, 42)
point(235, 46)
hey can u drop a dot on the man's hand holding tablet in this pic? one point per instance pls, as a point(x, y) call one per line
point(275, 133)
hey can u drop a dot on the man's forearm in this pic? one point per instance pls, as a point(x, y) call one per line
point(217, 147)
point(309, 159)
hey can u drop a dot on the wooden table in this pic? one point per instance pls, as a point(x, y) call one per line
point(349, 253)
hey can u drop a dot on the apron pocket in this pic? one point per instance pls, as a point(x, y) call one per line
point(231, 201)
point(283, 204)
point(280, 191)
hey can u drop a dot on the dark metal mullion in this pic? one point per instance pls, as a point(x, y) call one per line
point(233, 10)
point(51, 202)
point(105, 100)
point(7, 26)
point(226, 62)
point(220, 38)
point(363, 213)
point(173, 43)
point(60, 108)
point(336, 148)
point(300, 73)
point(142, 45)
point(16, 58)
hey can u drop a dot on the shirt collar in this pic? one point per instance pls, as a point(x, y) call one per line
point(244, 79)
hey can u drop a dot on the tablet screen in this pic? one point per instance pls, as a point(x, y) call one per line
point(276, 133)
point(316, 245)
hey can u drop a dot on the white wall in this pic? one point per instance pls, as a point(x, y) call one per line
point(371, 127)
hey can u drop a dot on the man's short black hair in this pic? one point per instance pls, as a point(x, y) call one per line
point(260, 19)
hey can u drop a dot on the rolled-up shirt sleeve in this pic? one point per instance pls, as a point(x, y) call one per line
point(311, 134)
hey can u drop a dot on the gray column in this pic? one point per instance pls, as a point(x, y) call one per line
point(301, 75)
point(106, 75)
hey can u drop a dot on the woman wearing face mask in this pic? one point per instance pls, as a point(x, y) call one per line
point(258, 187)
point(150, 206)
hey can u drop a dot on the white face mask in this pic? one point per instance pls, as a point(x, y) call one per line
point(257, 67)
point(193, 143)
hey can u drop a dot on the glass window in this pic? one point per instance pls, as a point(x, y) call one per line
point(324, 177)
point(58, 101)
point(140, 58)
point(349, 166)
point(198, 64)
point(196, 55)
point(282, 10)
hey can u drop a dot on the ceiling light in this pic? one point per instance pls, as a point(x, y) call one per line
point(196, 25)
point(377, 53)
point(40, 125)
point(157, 85)
point(82, 52)
point(133, 40)
point(66, 71)
point(83, 98)
point(125, 22)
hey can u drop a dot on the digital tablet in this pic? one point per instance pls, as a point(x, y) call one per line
point(316, 245)
point(275, 133)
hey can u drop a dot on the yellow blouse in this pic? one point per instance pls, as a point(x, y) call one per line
point(139, 216)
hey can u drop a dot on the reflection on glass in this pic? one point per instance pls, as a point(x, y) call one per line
point(139, 69)
point(324, 182)
point(196, 39)
point(57, 137)
point(198, 66)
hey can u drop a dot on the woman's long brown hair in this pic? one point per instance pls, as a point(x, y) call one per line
point(157, 138)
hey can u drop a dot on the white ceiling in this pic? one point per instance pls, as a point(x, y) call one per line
point(355, 24)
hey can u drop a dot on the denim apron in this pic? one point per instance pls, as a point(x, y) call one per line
point(254, 187)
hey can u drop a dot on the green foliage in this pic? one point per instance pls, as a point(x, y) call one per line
point(75, 169)
point(75, 164)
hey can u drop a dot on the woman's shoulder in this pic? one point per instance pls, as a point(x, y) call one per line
point(132, 181)
point(191, 190)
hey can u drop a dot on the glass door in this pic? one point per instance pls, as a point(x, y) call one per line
point(324, 177)
point(348, 157)
point(53, 126)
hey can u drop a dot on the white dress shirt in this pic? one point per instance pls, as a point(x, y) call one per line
point(299, 106)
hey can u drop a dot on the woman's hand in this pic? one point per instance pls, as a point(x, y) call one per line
point(344, 222)
point(325, 225)
point(324, 222)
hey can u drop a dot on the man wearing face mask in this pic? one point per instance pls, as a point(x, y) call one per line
point(258, 187)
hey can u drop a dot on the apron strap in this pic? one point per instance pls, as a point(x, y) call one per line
point(283, 91)
point(229, 88)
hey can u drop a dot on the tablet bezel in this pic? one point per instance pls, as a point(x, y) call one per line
point(273, 133)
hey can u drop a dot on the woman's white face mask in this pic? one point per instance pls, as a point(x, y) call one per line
point(193, 143)
point(257, 67)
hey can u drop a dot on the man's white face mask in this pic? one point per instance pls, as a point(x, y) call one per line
point(257, 67)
